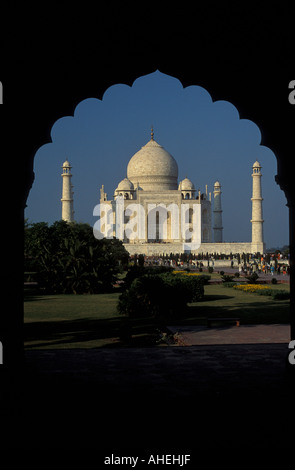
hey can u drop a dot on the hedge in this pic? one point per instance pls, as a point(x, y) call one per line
point(163, 294)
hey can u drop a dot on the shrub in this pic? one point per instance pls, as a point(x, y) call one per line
point(275, 294)
point(227, 278)
point(205, 278)
point(253, 278)
point(274, 280)
point(160, 295)
point(265, 291)
point(281, 295)
point(139, 300)
point(210, 269)
point(137, 271)
point(228, 284)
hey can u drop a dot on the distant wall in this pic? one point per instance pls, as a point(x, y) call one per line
point(158, 249)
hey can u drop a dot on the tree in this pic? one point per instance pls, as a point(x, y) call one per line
point(141, 260)
point(67, 258)
point(286, 250)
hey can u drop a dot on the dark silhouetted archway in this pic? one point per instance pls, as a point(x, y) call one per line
point(244, 58)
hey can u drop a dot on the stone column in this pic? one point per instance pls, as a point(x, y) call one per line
point(67, 193)
point(257, 220)
point(217, 214)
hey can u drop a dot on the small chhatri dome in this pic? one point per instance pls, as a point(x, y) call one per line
point(186, 185)
point(125, 185)
point(66, 164)
point(153, 167)
point(256, 164)
point(217, 184)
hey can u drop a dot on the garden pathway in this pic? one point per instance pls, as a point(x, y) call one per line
point(244, 334)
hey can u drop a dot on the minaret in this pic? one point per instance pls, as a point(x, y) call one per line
point(67, 193)
point(217, 214)
point(257, 220)
point(103, 194)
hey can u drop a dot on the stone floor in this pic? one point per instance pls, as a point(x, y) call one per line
point(171, 399)
point(178, 399)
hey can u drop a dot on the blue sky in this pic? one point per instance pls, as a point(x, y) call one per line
point(208, 140)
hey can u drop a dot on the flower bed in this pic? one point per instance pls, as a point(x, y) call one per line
point(186, 273)
point(263, 290)
point(204, 277)
point(250, 287)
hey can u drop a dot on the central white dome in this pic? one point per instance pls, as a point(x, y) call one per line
point(153, 168)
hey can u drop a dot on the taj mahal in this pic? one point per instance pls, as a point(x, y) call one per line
point(154, 214)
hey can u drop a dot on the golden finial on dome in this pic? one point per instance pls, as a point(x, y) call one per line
point(152, 133)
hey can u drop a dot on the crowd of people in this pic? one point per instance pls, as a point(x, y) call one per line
point(265, 268)
point(274, 264)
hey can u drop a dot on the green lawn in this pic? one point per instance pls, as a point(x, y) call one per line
point(82, 321)
point(223, 301)
point(91, 321)
point(70, 307)
point(64, 321)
